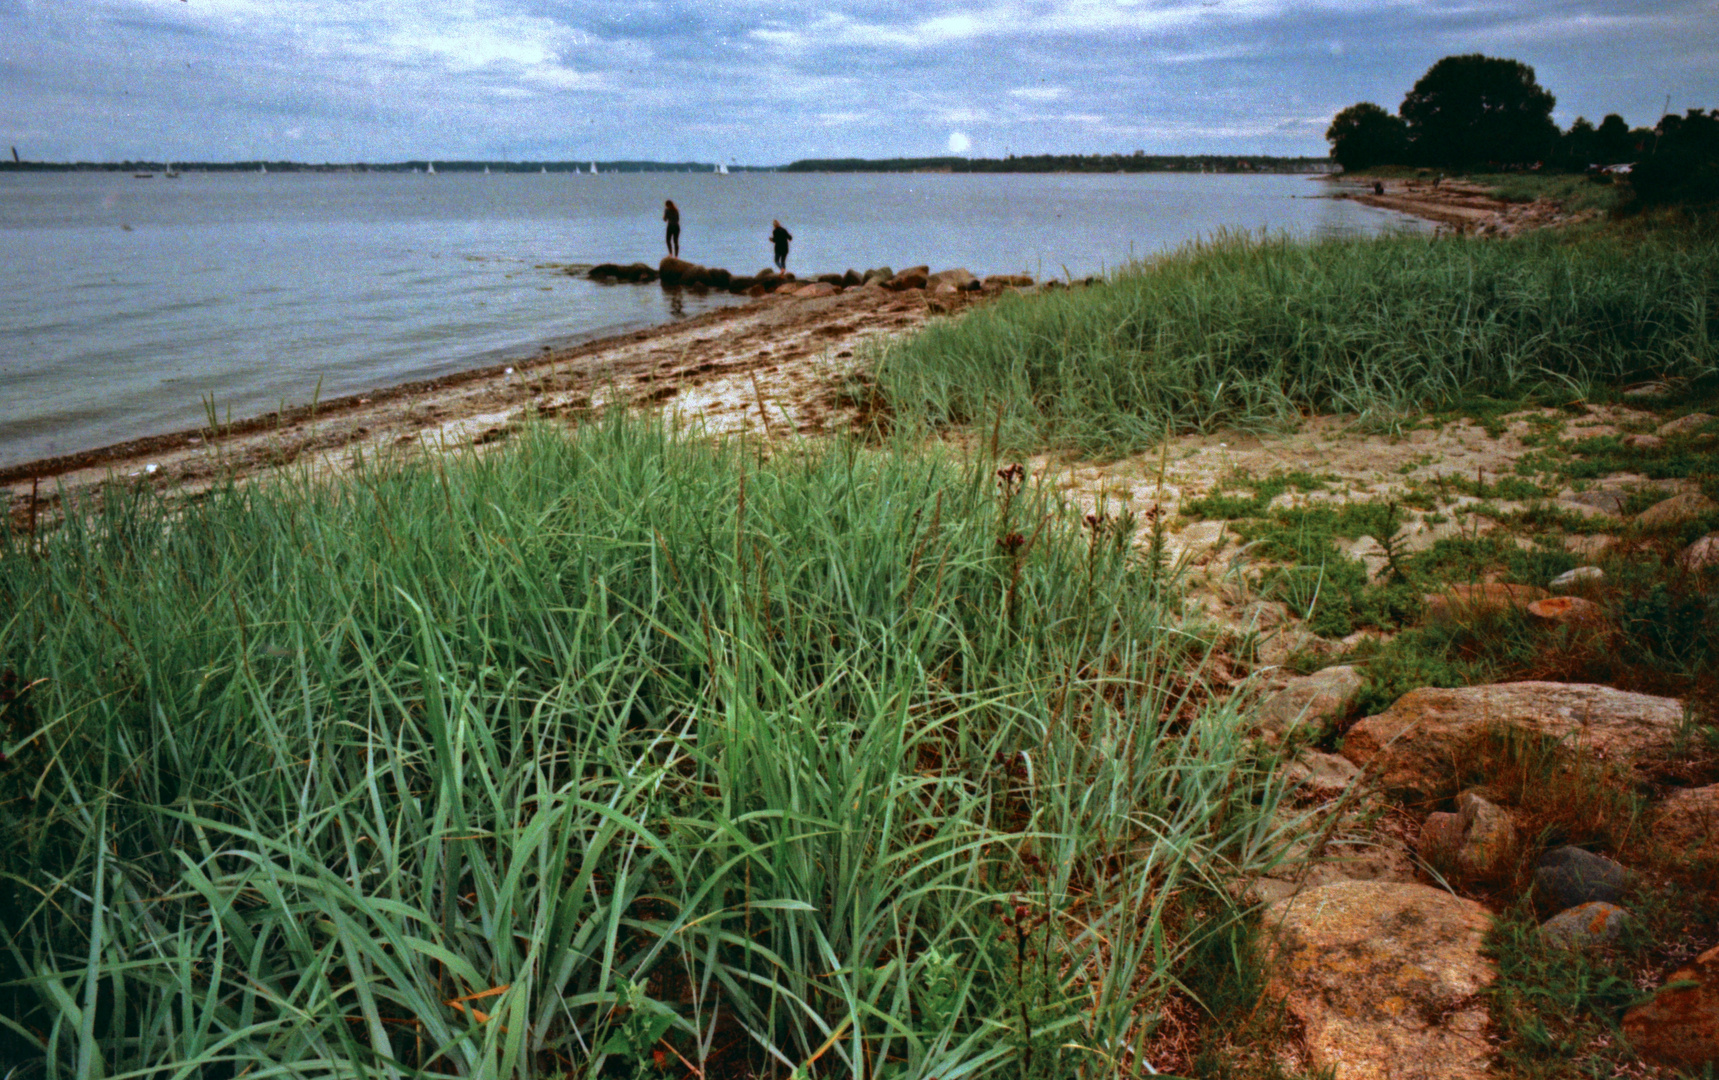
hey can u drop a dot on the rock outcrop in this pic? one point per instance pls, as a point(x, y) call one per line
point(1384, 978)
point(1459, 602)
point(1477, 843)
point(1413, 746)
point(1676, 510)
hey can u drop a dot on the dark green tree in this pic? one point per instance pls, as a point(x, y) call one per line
point(1365, 135)
point(1683, 163)
point(1577, 148)
point(1613, 142)
point(1474, 109)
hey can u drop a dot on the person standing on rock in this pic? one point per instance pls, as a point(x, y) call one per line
point(780, 237)
point(671, 214)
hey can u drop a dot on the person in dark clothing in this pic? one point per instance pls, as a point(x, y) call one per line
point(780, 237)
point(671, 214)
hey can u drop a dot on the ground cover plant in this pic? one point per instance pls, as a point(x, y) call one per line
point(1253, 332)
point(606, 753)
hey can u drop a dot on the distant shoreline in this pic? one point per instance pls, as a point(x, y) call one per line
point(1032, 164)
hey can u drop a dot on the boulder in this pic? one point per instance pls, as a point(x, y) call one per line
point(961, 279)
point(1680, 1026)
point(815, 290)
point(610, 273)
point(1008, 281)
point(1684, 425)
point(1585, 925)
point(1591, 546)
point(852, 279)
point(675, 271)
point(1676, 510)
point(1413, 746)
point(741, 284)
point(1701, 554)
point(878, 276)
point(1567, 611)
point(1317, 699)
point(1572, 579)
point(912, 278)
point(1384, 978)
point(1687, 822)
point(1458, 602)
point(1643, 442)
point(1568, 876)
point(833, 279)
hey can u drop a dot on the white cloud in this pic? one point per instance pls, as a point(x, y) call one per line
point(1039, 93)
point(959, 143)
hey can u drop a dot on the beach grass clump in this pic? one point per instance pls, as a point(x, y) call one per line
point(1256, 332)
point(605, 752)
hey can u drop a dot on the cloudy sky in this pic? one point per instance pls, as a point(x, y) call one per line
point(765, 82)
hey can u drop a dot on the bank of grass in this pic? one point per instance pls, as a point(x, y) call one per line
point(1255, 333)
point(605, 753)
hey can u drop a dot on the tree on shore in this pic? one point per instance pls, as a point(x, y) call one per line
point(1364, 135)
point(1475, 109)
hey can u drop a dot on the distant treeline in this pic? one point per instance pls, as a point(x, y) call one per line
point(1139, 161)
point(419, 165)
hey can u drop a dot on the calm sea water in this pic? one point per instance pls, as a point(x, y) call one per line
point(125, 303)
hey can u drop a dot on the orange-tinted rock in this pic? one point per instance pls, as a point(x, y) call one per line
point(1676, 510)
point(1567, 611)
point(1384, 978)
point(1413, 747)
point(1680, 1026)
point(1467, 601)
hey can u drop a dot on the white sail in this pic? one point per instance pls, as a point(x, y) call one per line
point(431, 170)
point(486, 170)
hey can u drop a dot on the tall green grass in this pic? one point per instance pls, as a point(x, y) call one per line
point(1256, 332)
point(604, 747)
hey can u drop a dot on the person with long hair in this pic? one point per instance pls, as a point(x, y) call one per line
point(671, 214)
point(780, 237)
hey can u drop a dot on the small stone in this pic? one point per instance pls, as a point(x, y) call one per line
point(1676, 510)
point(1585, 925)
point(1701, 554)
point(1567, 611)
point(1321, 772)
point(1590, 547)
point(1008, 281)
point(1684, 425)
point(1647, 391)
point(1263, 615)
point(1680, 1026)
point(1315, 699)
point(1643, 442)
point(1603, 501)
point(1567, 876)
point(1467, 601)
point(1581, 575)
point(1476, 843)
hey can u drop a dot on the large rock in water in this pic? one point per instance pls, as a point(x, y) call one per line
point(1414, 746)
point(610, 273)
point(1680, 1026)
point(675, 271)
point(1383, 977)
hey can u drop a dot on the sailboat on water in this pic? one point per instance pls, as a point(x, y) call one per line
point(486, 170)
point(721, 169)
point(593, 168)
point(430, 170)
point(262, 170)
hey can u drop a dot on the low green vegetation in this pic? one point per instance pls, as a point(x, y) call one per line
point(608, 753)
point(1256, 333)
